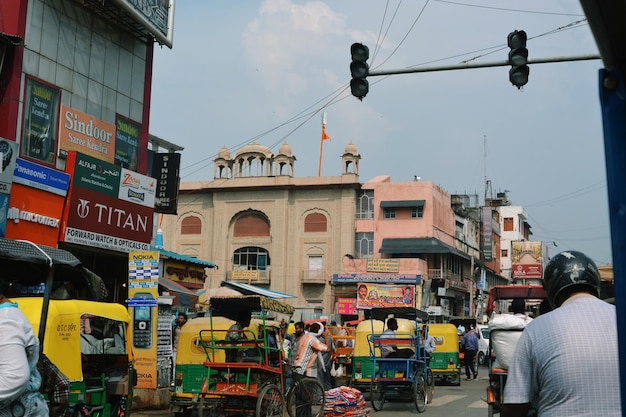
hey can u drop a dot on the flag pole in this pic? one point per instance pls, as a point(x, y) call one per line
point(324, 137)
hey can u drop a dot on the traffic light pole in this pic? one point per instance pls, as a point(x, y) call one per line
point(480, 65)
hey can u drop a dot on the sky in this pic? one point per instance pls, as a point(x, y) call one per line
point(266, 71)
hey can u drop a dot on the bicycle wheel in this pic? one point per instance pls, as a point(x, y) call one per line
point(430, 385)
point(377, 395)
point(419, 392)
point(306, 399)
point(271, 402)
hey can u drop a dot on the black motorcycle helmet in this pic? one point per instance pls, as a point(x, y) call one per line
point(570, 271)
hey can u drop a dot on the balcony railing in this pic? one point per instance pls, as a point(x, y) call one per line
point(314, 276)
point(250, 276)
point(443, 274)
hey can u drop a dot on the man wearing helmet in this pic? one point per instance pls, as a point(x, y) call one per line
point(566, 361)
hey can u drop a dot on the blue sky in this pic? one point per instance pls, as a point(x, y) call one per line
point(265, 71)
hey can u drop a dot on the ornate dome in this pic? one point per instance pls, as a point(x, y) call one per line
point(224, 153)
point(254, 148)
point(285, 149)
point(351, 148)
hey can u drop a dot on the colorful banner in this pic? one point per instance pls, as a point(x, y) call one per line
point(94, 174)
point(526, 259)
point(143, 286)
point(39, 133)
point(383, 295)
point(86, 134)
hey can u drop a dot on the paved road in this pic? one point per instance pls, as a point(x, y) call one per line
point(462, 401)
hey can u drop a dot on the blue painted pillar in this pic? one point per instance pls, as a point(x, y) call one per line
point(613, 103)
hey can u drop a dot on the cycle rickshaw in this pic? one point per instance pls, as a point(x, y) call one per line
point(394, 376)
point(250, 380)
point(505, 330)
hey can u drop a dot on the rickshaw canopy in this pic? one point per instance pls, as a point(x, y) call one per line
point(408, 313)
point(511, 292)
point(241, 308)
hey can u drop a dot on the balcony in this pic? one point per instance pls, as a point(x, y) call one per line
point(443, 274)
point(253, 276)
point(315, 276)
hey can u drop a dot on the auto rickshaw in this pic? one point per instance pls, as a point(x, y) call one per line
point(60, 298)
point(88, 341)
point(444, 361)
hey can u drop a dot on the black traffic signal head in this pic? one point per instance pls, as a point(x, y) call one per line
point(518, 58)
point(359, 86)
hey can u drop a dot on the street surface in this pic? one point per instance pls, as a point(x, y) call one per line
point(448, 401)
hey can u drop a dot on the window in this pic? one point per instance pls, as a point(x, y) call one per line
point(504, 253)
point(315, 267)
point(364, 245)
point(389, 213)
point(417, 212)
point(315, 222)
point(508, 224)
point(191, 225)
point(251, 225)
point(365, 205)
point(252, 258)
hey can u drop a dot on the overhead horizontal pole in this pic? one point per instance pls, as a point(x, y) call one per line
point(471, 65)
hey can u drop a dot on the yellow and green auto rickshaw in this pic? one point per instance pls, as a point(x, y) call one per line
point(85, 338)
point(444, 361)
point(88, 341)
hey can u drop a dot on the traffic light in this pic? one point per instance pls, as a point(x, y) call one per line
point(518, 58)
point(359, 70)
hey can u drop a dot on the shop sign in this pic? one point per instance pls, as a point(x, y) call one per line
point(137, 188)
point(347, 306)
point(527, 259)
point(41, 109)
point(378, 277)
point(8, 155)
point(126, 143)
point(181, 272)
point(165, 168)
point(384, 295)
point(383, 265)
point(86, 134)
point(93, 174)
point(41, 177)
point(99, 220)
point(245, 274)
point(34, 215)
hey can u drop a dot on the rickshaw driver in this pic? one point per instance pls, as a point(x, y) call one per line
point(565, 362)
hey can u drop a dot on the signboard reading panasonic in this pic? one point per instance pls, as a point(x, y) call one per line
point(41, 177)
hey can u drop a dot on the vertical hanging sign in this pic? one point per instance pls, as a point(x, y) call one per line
point(143, 292)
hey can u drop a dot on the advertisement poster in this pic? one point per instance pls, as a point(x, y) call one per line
point(384, 295)
point(41, 110)
point(126, 143)
point(143, 283)
point(347, 306)
point(8, 154)
point(526, 257)
point(137, 188)
point(86, 134)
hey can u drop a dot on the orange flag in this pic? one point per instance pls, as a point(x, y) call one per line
point(324, 135)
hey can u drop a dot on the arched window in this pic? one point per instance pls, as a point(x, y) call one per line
point(251, 225)
point(251, 258)
point(191, 225)
point(315, 222)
